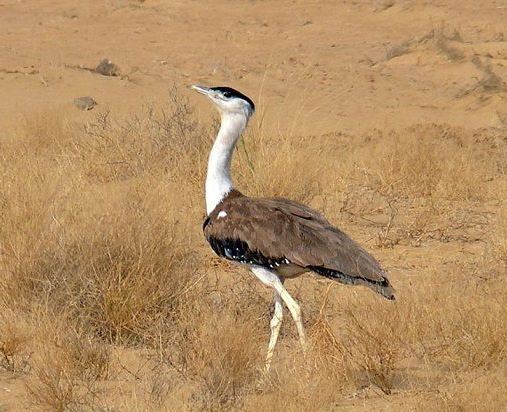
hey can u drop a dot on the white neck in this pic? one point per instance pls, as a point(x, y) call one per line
point(218, 179)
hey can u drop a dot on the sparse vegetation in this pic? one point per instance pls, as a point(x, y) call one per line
point(108, 285)
point(444, 44)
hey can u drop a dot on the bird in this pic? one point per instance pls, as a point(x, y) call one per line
point(275, 238)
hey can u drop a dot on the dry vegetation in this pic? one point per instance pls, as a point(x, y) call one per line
point(110, 300)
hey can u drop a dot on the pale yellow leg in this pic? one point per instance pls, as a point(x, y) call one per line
point(276, 323)
point(271, 279)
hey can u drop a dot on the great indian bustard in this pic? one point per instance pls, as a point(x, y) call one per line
point(275, 238)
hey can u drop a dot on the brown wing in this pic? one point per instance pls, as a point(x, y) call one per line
point(272, 232)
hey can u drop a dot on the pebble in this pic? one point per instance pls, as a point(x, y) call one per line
point(85, 103)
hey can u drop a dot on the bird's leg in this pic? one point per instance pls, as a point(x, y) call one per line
point(295, 311)
point(276, 323)
point(271, 279)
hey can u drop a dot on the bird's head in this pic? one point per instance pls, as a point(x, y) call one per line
point(228, 101)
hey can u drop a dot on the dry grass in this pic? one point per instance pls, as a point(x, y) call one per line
point(499, 242)
point(444, 44)
point(229, 366)
point(260, 158)
point(14, 343)
point(483, 393)
point(67, 373)
point(102, 254)
point(445, 41)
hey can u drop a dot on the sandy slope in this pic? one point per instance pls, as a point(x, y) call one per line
point(324, 63)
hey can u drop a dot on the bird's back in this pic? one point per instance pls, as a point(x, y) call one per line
point(290, 238)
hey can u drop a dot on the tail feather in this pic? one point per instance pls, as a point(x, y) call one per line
point(381, 286)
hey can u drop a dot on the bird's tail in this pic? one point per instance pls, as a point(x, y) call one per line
point(381, 286)
point(384, 288)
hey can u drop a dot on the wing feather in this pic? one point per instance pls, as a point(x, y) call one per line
point(280, 228)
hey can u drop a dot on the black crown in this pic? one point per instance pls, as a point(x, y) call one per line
point(230, 92)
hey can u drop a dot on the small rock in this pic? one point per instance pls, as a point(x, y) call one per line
point(499, 37)
point(107, 68)
point(383, 5)
point(85, 103)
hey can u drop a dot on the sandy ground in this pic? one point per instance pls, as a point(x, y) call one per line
point(313, 67)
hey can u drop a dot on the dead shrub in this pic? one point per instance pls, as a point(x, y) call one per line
point(427, 182)
point(273, 167)
point(367, 348)
point(424, 162)
point(117, 278)
point(167, 140)
point(221, 352)
point(373, 347)
point(117, 256)
point(68, 367)
point(444, 44)
point(57, 384)
point(490, 81)
point(455, 330)
point(15, 338)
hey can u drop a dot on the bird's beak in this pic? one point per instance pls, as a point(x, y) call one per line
point(203, 90)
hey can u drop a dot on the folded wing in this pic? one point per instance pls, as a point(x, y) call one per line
point(277, 232)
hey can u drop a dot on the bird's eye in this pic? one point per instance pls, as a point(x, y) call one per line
point(227, 94)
